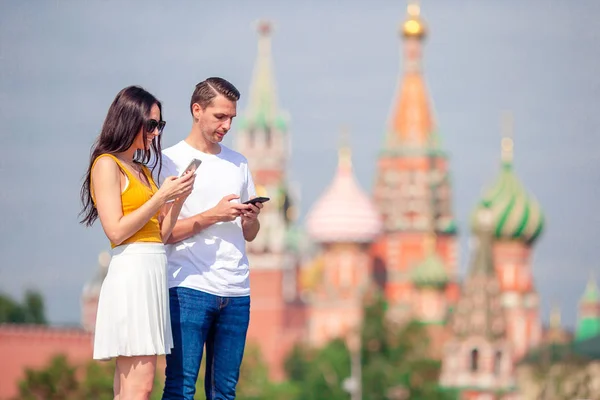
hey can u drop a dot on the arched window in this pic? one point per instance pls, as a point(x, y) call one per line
point(497, 362)
point(474, 360)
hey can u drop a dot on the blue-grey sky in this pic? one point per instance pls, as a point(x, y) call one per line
point(336, 63)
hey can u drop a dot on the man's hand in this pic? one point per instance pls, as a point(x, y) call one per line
point(226, 211)
point(251, 214)
point(250, 224)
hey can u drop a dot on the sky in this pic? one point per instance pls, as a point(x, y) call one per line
point(336, 63)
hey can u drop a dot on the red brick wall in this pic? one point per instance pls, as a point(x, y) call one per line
point(24, 346)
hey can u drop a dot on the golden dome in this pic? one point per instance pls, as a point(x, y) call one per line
point(414, 26)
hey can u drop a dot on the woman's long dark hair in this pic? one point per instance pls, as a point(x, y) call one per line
point(126, 116)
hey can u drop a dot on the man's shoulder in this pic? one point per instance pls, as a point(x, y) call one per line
point(174, 150)
point(232, 155)
point(170, 159)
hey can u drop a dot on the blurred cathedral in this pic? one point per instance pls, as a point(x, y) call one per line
point(309, 282)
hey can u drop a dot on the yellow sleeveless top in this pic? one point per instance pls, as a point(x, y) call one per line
point(133, 196)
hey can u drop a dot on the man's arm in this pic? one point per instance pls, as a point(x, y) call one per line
point(250, 229)
point(187, 227)
point(225, 210)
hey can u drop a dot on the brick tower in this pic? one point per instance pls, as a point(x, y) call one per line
point(263, 137)
point(478, 360)
point(412, 185)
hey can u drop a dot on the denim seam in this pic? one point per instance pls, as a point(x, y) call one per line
point(212, 377)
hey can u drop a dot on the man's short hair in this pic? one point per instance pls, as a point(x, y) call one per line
point(207, 90)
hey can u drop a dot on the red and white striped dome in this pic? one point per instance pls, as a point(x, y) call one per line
point(344, 213)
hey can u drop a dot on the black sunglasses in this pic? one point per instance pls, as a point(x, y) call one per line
point(152, 124)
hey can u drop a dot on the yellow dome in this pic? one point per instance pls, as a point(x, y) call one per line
point(414, 25)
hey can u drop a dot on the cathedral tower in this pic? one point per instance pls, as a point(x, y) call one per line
point(412, 184)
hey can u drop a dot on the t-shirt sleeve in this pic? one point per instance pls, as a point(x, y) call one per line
point(249, 190)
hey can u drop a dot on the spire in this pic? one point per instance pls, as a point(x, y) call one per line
point(411, 123)
point(413, 26)
point(507, 137)
point(588, 324)
point(413, 8)
point(555, 323)
point(345, 152)
point(591, 294)
point(262, 107)
point(556, 334)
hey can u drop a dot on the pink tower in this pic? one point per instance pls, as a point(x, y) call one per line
point(344, 222)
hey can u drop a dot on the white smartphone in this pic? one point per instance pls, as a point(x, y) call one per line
point(192, 166)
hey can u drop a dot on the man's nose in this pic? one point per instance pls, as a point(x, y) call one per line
point(227, 124)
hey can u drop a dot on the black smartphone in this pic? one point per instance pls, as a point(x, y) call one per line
point(257, 200)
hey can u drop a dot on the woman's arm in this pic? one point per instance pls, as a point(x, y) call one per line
point(169, 214)
point(106, 181)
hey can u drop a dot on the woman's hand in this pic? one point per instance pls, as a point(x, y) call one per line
point(177, 188)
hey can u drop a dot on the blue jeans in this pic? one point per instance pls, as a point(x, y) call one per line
point(199, 318)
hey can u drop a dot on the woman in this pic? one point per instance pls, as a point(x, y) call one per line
point(133, 323)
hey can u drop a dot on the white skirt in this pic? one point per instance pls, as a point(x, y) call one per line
point(133, 316)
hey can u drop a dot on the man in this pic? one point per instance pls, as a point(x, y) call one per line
point(209, 288)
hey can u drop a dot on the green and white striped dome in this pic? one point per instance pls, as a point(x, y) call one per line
point(516, 214)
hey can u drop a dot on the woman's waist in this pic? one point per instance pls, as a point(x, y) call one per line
point(139, 247)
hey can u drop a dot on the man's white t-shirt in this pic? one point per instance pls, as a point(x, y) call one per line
point(214, 260)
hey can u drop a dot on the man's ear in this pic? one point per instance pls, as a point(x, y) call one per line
point(197, 111)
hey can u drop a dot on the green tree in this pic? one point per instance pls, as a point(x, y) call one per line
point(394, 363)
point(32, 310)
point(319, 374)
point(395, 358)
point(61, 380)
point(254, 382)
point(10, 311)
point(55, 382)
point(97, 383)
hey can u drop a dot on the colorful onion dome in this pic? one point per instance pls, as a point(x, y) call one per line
point(516, 214)
point(345, 212)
